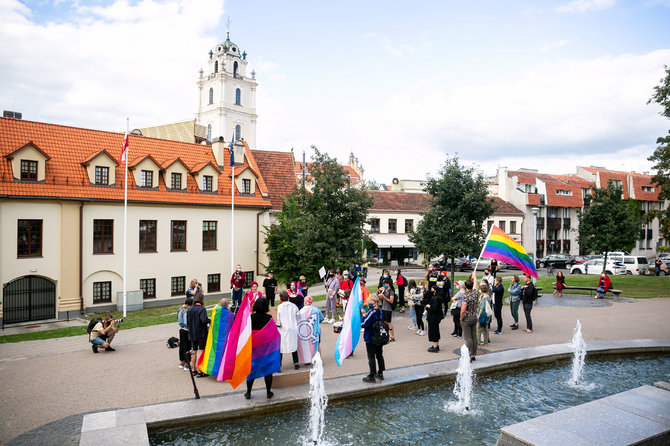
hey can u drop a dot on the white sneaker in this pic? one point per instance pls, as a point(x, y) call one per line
point(332, 320)
point(326, 321)
point(423, 333)
point(411, 327)
point(181, 366)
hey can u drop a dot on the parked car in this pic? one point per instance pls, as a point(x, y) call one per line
point(637, 265)
point(461, 264)
point(595, 266)
point(555, 260)
point(665, 268)
point(581, 259)
point(484, 263)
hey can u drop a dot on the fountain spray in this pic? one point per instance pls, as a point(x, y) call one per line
point(318, 400)
point(579, 347)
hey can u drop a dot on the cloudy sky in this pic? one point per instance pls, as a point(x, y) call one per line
point(536, 84)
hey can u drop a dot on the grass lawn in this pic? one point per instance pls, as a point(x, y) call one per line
point(139, 318)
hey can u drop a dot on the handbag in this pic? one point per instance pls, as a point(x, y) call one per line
point(483, 318)
point(488, 308)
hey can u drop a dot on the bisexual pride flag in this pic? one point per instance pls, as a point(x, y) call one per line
point(501, 246)
point(351, 325)
point(265, 344)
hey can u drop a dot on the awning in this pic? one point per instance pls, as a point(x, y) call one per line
point(392, 240)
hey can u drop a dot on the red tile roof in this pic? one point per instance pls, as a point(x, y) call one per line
point(277, 171)
point(566, 201)
point(606, 176)
point(533, 199)
point(399, 201)
point(348, 170)
point(644, 180)
point(67, 178)
point(503, 207)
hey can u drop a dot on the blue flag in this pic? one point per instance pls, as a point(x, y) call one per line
point(232, 153)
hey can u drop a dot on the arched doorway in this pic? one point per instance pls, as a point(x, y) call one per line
point(28, 298)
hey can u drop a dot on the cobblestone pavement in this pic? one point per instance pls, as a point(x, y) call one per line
point(48, 385)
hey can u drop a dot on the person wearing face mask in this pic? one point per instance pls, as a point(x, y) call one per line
point(302, 286)
point(237, 285)
point(295, 297)
point(332, 287)
point(386, 278)
point(387, 297)
point(604, 284)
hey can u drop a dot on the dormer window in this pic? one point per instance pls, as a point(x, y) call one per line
point(28, 170)
point(101, 175)
point(175, 180)
point(207, 183)
point(246, 186)
point(146, 178)
point(567, 193)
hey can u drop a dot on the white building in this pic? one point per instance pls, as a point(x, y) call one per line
point(227, 95)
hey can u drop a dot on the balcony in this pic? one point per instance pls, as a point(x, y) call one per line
point(553, 223)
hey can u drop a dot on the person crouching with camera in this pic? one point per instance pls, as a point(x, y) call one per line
point(103, 333)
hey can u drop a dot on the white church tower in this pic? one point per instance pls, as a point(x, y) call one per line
point(227, 103)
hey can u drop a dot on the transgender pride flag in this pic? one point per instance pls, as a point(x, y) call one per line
point(351, 325)
point(236, 364)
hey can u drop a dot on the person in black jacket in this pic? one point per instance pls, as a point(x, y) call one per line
point(401, 281)
point(386, 278)
point(498, 291)
point(446, 290)
point(433, 304)
point(198, 322)
point(377, 368)
point(527, 298)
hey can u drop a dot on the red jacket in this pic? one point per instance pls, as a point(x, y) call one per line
point(239, 283)
point(605, 281)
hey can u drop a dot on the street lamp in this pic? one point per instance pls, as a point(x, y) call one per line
point(535, 211)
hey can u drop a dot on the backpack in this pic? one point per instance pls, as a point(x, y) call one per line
point(380, 333)
point(173, 342)
point(92, 324)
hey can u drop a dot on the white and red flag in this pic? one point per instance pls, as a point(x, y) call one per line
point(124, 149)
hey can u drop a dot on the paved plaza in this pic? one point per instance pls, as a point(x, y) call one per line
point(55, 381)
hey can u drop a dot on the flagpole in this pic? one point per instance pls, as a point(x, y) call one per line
point(125, 225)
point(482, 253)
point(232, 213)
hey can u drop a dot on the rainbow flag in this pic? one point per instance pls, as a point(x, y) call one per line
point(219, 329)
point(265, 357)
point(502, 247)
point(351, 325)
point(236, 363)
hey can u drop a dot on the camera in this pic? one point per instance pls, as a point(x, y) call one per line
point(118, 321)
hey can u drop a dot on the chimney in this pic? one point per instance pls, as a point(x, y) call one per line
point(219, 150)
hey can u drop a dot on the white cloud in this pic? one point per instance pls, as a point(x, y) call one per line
point(561, 110)
point(555, 44)
point(586, 5)
point(107, 63)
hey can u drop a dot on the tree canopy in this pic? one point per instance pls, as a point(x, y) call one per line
point(321, 227)
point(608, 222)
point(454, 224)
point(661, 157)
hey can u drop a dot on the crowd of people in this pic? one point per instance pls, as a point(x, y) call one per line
point(474, 306)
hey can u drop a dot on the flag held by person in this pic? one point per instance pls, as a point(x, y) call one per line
point(219, 330)
point(236, 364)
point(501, 246)
point(351, 325)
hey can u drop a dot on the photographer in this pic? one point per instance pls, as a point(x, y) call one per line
point(103, 333)
point(197, 322)
point(237, 284)
point(194, 288)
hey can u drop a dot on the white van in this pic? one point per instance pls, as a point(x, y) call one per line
point(637, 265)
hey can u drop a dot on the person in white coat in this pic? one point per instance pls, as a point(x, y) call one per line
point(288, 317)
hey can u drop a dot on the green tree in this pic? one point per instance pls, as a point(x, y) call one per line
point(454, 224)
point(661, 158)
point(608, 222)
point(321, 227)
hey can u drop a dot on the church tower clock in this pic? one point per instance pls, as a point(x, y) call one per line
point(227, 103)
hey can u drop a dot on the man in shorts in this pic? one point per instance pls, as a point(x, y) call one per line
point(103, 333)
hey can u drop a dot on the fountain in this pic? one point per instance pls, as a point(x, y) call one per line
point(579, 347)
point(318, 402)
point(463, 387)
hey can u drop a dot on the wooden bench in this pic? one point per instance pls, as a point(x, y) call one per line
point(616, 293)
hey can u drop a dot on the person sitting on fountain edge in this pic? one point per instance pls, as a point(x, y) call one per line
point(103, 332)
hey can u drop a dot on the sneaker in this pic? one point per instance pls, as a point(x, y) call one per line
point(459, 336)
point(94, 348)
point(331, 321)
point(247, 395)
point(380, 376)
point(369, 379)
point(411, 327)
point(110, 349)
point(181, 366)
point(515, 327)
point(432, 349)
point(423, 333)
point(472, 359)
point(270, 395)
point(296, 366)
point(497, 332)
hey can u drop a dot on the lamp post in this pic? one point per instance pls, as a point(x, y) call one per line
point(535, 211)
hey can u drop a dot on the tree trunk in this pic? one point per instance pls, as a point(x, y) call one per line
point(453, 269)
